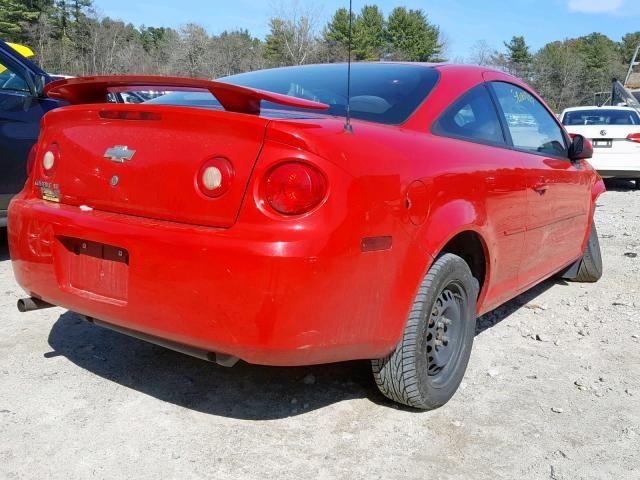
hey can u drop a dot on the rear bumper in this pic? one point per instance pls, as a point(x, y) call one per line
point(621, 173)
point(620, 165)
point(297, 300)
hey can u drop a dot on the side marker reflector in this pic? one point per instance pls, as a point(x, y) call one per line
point(372, 244)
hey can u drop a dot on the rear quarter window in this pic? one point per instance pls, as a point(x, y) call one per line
point(472, 117)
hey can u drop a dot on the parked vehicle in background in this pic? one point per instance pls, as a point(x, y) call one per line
point(22, 106)
point(250, 220)
point(615, 135)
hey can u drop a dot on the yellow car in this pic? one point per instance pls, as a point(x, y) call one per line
point(21, 49)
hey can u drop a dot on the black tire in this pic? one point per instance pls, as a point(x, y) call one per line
point(420, 372)
point(590, 269)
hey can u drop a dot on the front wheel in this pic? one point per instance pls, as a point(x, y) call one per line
point(590, 265)
point(427, 366)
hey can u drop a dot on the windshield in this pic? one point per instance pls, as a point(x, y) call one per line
point(601, 117)
point(382, 93)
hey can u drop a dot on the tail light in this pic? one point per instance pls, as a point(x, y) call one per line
point(50, 159)
point(634, 137)
point(215, 177)
point(294, 188)
point(31, 159)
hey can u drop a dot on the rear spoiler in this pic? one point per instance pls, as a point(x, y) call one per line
point(233, 98)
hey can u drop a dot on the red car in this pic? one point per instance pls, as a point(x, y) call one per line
point(247, 219)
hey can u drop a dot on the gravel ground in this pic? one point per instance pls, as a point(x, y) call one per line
point(552, 391)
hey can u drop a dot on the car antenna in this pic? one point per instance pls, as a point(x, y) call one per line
point(347, 125)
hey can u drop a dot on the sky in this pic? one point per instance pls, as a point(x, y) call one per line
point(463, 22)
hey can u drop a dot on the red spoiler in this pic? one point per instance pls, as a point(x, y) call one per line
point(232, 97)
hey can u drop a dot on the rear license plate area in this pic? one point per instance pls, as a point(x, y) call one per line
point(602, 143)
point(96, 269)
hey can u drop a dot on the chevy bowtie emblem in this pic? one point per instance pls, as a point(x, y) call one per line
point(119, 153)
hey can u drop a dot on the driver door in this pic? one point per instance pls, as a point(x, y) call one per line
point(558, 190)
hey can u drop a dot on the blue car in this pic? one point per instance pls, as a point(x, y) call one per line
point(22, 105)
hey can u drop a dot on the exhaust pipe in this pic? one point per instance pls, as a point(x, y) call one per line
point(30, 304)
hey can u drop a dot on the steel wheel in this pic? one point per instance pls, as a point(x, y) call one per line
point(444, 332)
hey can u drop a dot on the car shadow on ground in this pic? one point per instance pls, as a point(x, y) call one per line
point(4, 248)
point(620, 185)
point(245, 391)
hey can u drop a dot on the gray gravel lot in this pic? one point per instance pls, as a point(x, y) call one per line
point(552, 391)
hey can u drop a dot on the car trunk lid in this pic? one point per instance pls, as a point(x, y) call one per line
point(148, 160)
point(150, 167)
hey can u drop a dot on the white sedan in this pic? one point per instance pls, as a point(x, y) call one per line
point(615, 135)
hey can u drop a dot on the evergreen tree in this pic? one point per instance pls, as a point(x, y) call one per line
point(518, 51)
point(15, 15)
point(369, 34)
point(412, 37)
point(337, 30)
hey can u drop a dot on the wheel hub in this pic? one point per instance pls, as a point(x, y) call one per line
point(443, 329)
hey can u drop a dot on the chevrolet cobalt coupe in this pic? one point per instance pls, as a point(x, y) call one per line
point(270, 218)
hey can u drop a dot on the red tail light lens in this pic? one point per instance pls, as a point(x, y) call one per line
point(215, 177)
point(294, 188)
point(634, 137)
point(31, 159)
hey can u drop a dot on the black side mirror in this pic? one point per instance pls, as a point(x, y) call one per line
point(580, 148)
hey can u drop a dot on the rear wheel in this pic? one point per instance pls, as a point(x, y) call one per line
point(427, 366)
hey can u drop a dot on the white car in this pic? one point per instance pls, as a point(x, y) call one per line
point(615, 135)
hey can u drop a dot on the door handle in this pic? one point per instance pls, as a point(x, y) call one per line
point(540, 187)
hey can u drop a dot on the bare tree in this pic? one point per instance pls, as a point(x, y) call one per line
point(481, 53)
point(294, 34)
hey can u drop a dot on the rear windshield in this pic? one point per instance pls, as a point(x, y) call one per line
point(382, 93)
point(601, 117)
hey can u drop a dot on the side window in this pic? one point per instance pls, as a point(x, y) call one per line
point(472, 117)
point(11, 82)
point(530, 124)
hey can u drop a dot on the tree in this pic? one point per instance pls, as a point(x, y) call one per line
point(518, 57)
point(337, 30)
point(628, 46)
point(369, 34)
point(602, 63)
point(15, 15)
point(518, 51)
point(559, 70)
point(152, 37)
point(481, 54)
point(291, 39)
point(236, 52)
point(411, 37)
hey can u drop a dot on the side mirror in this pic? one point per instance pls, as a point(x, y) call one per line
point(39, 82)
point(580, 148)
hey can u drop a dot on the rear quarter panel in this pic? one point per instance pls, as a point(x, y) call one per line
point(420, 189)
